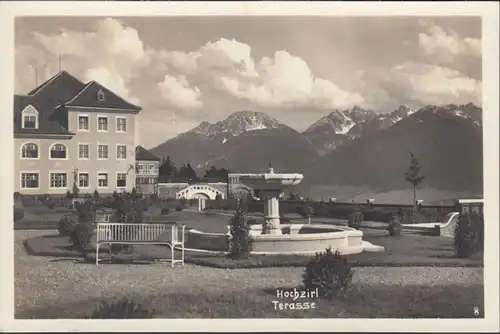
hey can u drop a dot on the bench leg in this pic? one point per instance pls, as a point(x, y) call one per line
point(97, 254)
point(182, 252)
point(172, 250)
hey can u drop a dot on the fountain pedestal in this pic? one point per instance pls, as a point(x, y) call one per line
point(272, 210)
point(270, 186)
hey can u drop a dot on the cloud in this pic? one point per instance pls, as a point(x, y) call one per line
point(446, 46)
point(421, 84)
point(182, 61)
point(176, 91)
point(222, 75)
point(112, 81)
point(112, 54)
point(281, 81)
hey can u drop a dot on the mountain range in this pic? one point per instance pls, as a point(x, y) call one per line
point(356, 147)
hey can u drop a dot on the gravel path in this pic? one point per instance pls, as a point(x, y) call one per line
point(38, 278)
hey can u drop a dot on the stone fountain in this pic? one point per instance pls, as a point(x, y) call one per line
point(270, 186)
point(276, 238)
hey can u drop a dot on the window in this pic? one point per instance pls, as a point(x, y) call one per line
point(121, 180)
point(83, 151)
point(83, 180)
point(102, 123)
point(29, 180)
point(83, 123)
point(121, 124)
point(58, 151)
point(121, 151)
point(58, 180)
point(30, 122)
point(100, 95)
point(102, 151)
point(29, 151)
point(102, 180)
point(29, 118)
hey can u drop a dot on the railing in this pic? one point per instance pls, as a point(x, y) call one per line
point(153, 234)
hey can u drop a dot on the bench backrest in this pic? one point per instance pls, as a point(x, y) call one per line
point(167, 232)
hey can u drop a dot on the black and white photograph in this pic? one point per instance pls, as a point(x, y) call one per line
point(240, 163)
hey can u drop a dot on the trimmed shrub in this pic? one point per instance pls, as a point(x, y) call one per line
point(66, 226)
point(81, 235)
point(240, 241)
point(395, 227)
point(328, 272)
point(86, 211)
point(134, 194)
point(307, 210)
point(165, 211)
point(252, 221)
point(18, 214)
point(355, 219)
point(322, 210)
point(121, 309)
point(469, 235)
point(178, 208)
point(49, 203)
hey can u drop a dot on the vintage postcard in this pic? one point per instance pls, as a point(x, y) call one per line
point(291, 166)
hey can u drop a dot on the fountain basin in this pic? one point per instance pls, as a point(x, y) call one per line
point(317, 238)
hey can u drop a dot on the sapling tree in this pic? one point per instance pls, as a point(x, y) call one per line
point(240, 242)
point(75, 189)
point(414, 177)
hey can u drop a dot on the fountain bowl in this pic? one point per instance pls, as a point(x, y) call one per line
point(296, 239)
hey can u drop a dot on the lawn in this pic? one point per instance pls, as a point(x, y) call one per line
point(413, 301)
point(407, 250)
point(48, 287)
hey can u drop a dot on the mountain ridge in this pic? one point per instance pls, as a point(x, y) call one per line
point(246, 141)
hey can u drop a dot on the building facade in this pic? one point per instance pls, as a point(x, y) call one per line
point(236, 189)
point(147, 170)
point(66, 132)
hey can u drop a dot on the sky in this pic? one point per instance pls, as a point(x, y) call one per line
point(185, 70)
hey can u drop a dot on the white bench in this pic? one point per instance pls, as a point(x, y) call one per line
point(141, 234)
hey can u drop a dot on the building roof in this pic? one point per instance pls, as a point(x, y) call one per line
point(61, 90)
point(87, 97)
point(46, 125)
point(142, 154)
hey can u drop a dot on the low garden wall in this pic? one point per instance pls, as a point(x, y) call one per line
point(371, 212)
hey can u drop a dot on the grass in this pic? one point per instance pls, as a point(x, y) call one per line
point(64, 288)
point(408, 250)
point(368, 301)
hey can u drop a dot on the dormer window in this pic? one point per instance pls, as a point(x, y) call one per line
point(29, 122)
point(100, 95)
point(29, 118)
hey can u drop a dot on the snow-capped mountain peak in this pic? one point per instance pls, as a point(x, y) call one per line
point(337, 120)
point(237, 123)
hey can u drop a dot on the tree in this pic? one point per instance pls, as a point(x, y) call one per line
point(218, 174)
point(413, 176)
point(240, 242)
point(76, 190)
point(167, 170)
point(187, 172)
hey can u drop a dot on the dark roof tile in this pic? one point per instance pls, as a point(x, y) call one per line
point(45, 124)
point(87, 97)
point(142, 154)
point(62, 89)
